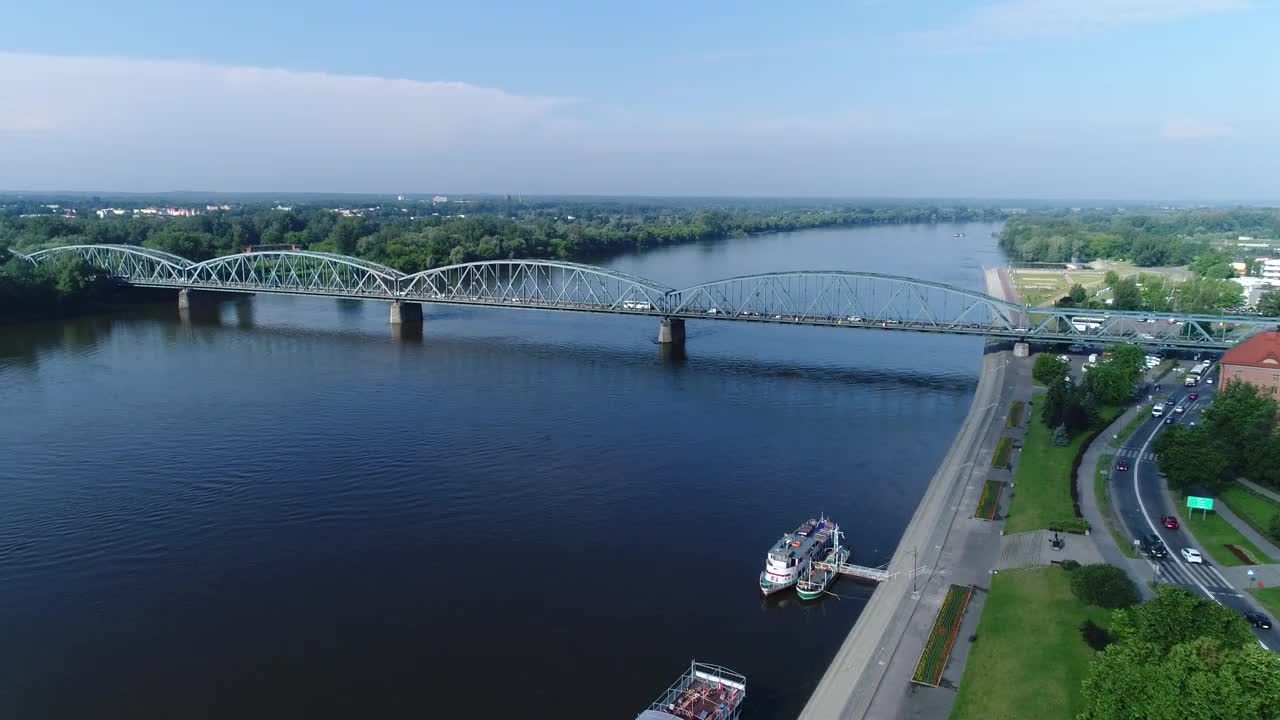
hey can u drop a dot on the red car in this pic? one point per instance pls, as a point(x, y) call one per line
point(1170, 522)
point(1122, 465)
point(1192, 397)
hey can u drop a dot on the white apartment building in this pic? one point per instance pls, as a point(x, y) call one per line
point(1271, 270)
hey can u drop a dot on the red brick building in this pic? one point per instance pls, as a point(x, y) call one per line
point(1255, 361)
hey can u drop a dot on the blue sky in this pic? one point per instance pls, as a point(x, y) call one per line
point(1129, 99)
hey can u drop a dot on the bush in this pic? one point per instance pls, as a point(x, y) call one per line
point(1060, 436)
point(1048, 369)
point(1274, 527)
point(1096, 637)
point(1104, 585)
point(1070, 565)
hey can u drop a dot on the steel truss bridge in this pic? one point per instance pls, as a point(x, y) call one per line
point(826, 298)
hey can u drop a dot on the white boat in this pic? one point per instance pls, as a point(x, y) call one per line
point(814, 583)
point(791, 556)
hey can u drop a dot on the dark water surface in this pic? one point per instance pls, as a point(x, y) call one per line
point(284, 511)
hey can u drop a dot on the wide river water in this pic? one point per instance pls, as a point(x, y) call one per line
point(286, 511)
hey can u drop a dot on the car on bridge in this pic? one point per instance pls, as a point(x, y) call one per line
point(1192, 556)
point(1122, 466)
point(1193, 397)
point(1169, 521)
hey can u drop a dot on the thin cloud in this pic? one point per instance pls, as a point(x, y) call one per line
point(1192, 130)
point(106, 99)
point(1021, 19)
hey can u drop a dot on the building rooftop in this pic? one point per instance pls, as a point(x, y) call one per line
point(1261, 350)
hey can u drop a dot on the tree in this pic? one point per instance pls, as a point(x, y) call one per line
point(1269, 303)
point(1078, 294)
point(1111, 278)
point(1104, 585)
point(1060, 436)
point(1207, 678)
point(1125, 295)
point(1049, 369)
point(1180, 645)
point(1188, 458)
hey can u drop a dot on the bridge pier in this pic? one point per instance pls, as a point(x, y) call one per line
point(406, 313)
point(1021, 350)
point(188, 298)
point(671, 330)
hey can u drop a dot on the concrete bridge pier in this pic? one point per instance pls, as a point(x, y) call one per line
point(671, 330)
point(188, 298)
point(406, 313)
point(1021, 349)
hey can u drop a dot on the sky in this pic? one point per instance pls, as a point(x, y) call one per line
point(1155, 100)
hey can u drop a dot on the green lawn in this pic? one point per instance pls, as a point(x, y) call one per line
point(1269, 597)
point(1143, 413)
point(1255, 509)
point(1042, 480)
point(1102, 491)
point(1214, 534)
point(1029, 659)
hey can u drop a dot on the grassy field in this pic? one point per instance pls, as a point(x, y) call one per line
point(1041, 287)
point(1143, 413)
point(1255, 509)
point(1029, 660)
point(1214, 534)
point(1042, 480)
point(1269, 597)
point(1102, 491)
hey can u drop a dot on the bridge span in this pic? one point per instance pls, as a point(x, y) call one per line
point(837, 298)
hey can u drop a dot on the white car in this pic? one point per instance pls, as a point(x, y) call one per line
point(1192, 555)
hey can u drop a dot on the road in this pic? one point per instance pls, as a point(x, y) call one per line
point(1139, 497)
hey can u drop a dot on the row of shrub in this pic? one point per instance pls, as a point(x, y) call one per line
point(1015, 414)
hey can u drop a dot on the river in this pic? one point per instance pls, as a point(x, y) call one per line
point(285, 511)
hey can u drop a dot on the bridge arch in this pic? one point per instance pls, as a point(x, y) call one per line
point(134, 263)
point(296, 271)
point(537, 283)
point(845, 296)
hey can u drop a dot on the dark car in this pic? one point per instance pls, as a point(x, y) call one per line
point(1193, 397)
point(1169, 522)
point(1151, 545)
point(1168, 420)
point(1122, 465)
point(1258, 620)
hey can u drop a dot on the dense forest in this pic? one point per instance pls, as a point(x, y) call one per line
point(1149, 238)
point(417, 236)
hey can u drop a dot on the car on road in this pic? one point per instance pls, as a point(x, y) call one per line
point(1153, 546)
point(1076, 348)
point(1122, 466)
point(1258, 620)
point(1169, 521)
point(1168, 420)
point(1192, 555)
point(1193, 397)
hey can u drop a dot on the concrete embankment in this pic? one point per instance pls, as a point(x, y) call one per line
point(936, 545)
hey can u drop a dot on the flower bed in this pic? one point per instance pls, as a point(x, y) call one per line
point(943, 635)
point(1015, 414)
point(989, 500)
point(1004, 448)
point(1242, 554)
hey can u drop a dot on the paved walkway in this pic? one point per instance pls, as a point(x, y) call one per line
point(1264, 492)
point(1032, 549)
point(1100, 534)
point(1266, 546)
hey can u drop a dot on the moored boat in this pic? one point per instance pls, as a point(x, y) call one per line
point(704, 692)
point(815, 582)
point(791, 556)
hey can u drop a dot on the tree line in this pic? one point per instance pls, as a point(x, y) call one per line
point(1147, 238)
point(413, 237)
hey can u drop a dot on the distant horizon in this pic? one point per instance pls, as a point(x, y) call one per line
point(413, 196)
